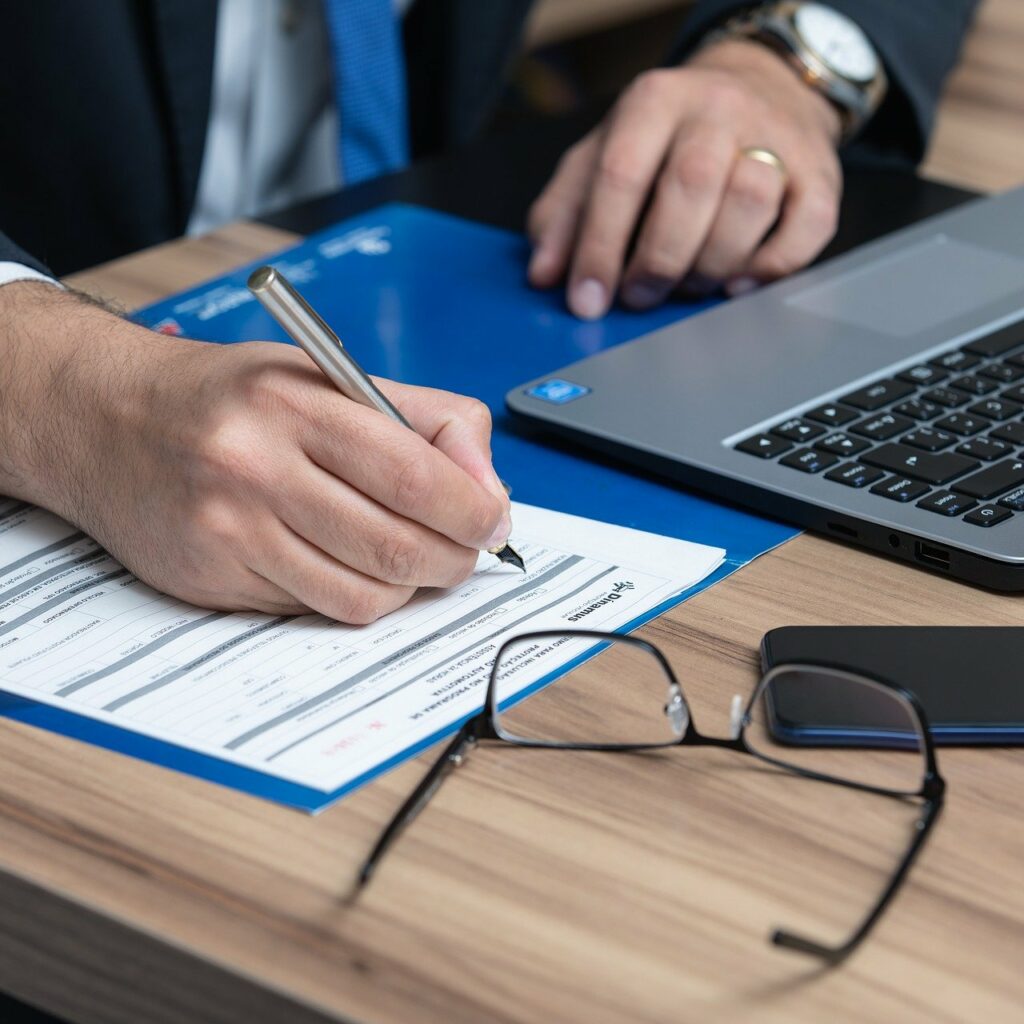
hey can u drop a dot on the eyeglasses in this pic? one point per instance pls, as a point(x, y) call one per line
point(619, 693)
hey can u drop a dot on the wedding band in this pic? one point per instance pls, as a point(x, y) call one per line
point(766, 156)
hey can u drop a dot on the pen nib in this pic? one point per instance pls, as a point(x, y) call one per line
point(509, 557)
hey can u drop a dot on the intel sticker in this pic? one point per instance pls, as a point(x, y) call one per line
point(558, 392)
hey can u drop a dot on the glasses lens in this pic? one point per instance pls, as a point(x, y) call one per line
point(838, 725)
point(563, 689)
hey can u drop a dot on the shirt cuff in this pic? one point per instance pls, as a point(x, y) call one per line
point(11, 272)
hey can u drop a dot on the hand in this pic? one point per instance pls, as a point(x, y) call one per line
point(665, 166)
point(236, 476)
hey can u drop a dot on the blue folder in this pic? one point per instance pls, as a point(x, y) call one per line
point(429, 299)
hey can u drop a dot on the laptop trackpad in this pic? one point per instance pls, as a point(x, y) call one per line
point(916, 289)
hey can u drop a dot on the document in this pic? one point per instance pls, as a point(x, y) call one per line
point(305, 699)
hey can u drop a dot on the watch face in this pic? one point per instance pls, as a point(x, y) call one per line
point(837, 41)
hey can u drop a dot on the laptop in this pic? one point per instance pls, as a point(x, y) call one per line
point(877, 398)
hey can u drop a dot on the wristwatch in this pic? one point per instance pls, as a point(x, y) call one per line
point(828, 50)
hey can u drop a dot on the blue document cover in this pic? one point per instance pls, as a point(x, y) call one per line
point(429, 299)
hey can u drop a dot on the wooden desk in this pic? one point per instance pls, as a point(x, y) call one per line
point(537, 886)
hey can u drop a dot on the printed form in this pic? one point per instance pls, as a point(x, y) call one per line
point(305, 699)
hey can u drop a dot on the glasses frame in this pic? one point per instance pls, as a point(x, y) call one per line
point(485, 725)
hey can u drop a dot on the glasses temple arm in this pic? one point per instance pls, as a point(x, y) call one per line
point(418, 799)
point(836, 954)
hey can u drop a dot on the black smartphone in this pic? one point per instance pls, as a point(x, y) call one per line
point(970, 680)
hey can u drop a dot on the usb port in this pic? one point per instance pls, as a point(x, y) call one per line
point(937, 558)
point(843, 531)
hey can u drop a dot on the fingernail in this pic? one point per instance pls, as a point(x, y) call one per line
point(742, 286)
point(500, 535)
point(589, 299)
point(642, 295)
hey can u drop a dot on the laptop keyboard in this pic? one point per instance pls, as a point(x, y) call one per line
point(946, 435)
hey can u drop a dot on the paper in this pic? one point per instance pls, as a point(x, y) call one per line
point(307, 700)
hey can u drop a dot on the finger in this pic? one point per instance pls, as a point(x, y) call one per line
point(631, 154)
point(350, 528)
point(402, 471)
point(555, 215)
point(809, 221)
point(749, 208)
point(687, 199)
point(459, 426)
point(324, 584)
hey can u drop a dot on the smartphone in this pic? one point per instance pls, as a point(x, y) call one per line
point(969, 679)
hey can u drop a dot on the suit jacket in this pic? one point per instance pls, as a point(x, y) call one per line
point(105, 105)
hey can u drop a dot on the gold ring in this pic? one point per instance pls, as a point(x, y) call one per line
point(766, 156)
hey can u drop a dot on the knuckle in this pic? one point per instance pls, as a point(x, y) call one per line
point(412, 483)
point(618, 168)
point(821, 210)
point(398, 557)
point(652, 85)
point(227, 454)
point(358, 606)
point(696, 169)
point(477, 415)
point(755, 190)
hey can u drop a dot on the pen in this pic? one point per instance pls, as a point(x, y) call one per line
point(308, 330)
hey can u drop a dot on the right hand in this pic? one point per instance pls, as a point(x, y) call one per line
point(237, 477)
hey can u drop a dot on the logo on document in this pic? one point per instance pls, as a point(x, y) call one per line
point(167, 326)
point(558, 391)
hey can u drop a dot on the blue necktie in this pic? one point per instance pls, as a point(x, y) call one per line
point(369, 87)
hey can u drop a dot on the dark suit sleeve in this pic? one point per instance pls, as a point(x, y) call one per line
point(9, 252)
point(919, 42)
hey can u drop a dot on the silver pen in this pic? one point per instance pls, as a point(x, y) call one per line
point(308, 330)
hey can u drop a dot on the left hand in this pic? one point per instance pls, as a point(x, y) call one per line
point(667, 166)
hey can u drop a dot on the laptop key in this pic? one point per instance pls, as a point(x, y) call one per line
point(923, 376)
point(1012, 433)
point(985, 448)
point(961, 423)
point(807, 460)
point(833, 415)
point(956, 361)
point(1005, 373)
point(853, 474)
point(974, 385)
point(993, 480)
point(874, 396)
point(988, 515)
point(947, 396)
point(798, 430)
point(764, 446)
point(1014, 394)
point(841, 444)
point(918, 409)
point(946, 503)
point(900, 488)
point(997, 408)
point(929, 440)
point(883, 427)
point(1014, 500)
point(998, 343)
point(933, 469)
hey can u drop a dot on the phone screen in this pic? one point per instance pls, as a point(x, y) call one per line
point(970, 681)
